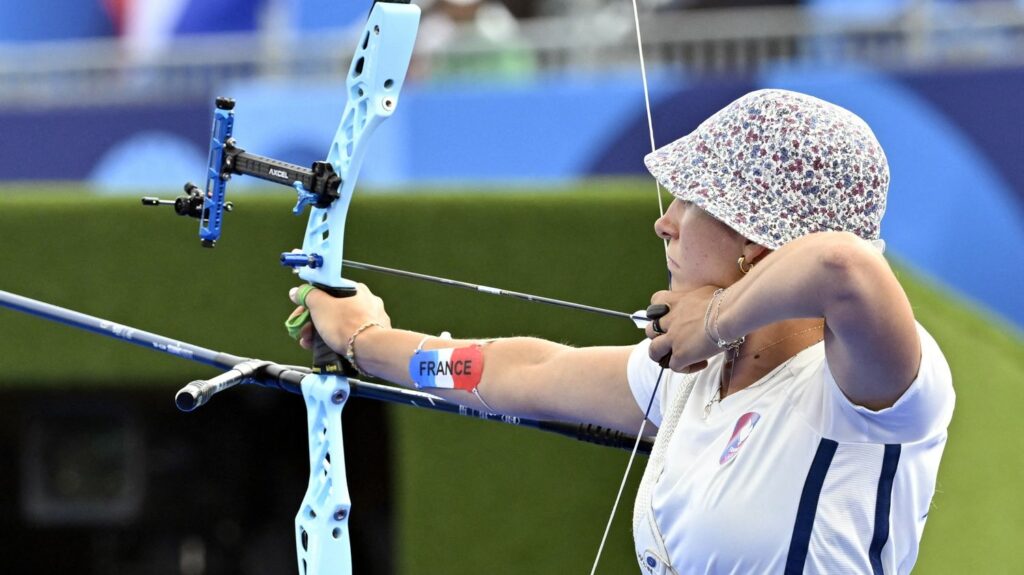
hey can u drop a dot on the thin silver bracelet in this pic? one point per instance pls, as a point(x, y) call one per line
point(711, 323)
point(707, 316)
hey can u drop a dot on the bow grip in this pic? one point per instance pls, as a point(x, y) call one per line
point(325, 359)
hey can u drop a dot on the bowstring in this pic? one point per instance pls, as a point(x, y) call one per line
point(661, 213)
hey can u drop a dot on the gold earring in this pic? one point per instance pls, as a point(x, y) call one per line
point(740, 262)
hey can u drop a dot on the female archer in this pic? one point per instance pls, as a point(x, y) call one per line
point(800, 390)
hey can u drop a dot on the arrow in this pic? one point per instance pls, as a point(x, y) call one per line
point(638, 318)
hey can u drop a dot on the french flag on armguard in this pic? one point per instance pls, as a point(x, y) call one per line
point(451, 368)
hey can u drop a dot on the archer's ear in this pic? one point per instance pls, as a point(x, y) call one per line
point(754, 252)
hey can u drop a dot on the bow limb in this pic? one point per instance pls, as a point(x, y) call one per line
point(374, 81)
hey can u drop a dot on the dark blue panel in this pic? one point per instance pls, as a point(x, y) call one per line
point(34, 20)
point(808, 507)
point(883, 504)
point(988, 107)
point(219, 16)
point(66, 144)
point(673, 117)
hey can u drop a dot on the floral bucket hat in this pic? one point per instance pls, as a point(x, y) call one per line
point(777, 165)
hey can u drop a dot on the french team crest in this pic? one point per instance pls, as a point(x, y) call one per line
point(744, 425)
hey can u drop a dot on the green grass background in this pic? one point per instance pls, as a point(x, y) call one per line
point(472, 496)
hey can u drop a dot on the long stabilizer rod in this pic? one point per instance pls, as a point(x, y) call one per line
point(638, 318)
point(288, 378)
point(117, 331)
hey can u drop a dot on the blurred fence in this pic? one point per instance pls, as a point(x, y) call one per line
point(698, 43)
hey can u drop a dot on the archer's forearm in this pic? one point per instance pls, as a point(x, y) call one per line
point(385, 353)
point(825, 275)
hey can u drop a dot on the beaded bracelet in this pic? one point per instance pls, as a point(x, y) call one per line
point(350, 349)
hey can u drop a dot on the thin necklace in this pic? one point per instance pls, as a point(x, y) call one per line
point(732, 363)
point(778, 341)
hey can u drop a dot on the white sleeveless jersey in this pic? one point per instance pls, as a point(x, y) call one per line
point(788, 476)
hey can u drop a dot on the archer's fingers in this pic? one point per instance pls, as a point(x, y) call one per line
point(652, 330)
point(300, 294)
point(659, 324)
point(661, 297)
point(657, 313)
point(306, 336)
point(660, 347)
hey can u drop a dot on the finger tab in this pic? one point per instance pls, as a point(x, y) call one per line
point(657, 311)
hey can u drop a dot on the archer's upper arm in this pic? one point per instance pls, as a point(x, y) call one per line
point(871, 338)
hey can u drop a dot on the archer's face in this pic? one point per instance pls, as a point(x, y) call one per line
point(701, 251)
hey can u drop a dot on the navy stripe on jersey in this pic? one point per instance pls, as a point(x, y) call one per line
point(883, 503)
point(808, 506)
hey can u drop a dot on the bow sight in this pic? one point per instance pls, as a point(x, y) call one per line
point(317, 185)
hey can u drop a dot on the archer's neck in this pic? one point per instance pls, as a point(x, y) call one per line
point(766, 349)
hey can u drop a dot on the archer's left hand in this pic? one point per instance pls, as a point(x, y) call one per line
point(683, 330)
point(338, 318)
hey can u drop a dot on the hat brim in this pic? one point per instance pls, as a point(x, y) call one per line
point(688, 176)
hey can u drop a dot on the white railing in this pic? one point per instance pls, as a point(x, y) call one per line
point(702, 42)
